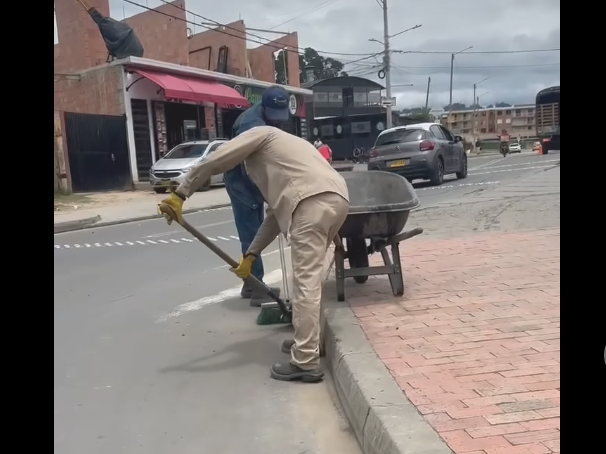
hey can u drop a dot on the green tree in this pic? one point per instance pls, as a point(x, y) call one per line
point(324, 67)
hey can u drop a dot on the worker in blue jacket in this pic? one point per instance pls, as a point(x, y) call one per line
point(246, 200)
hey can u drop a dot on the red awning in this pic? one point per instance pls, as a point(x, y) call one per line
point(197, 90)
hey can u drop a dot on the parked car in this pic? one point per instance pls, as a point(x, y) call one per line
point(170, 170)
point(425, 151)
point(515, 147)
point(536, 146)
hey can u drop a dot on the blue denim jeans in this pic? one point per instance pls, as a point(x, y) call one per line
point(248, 208)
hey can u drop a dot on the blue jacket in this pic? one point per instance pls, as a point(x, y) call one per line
point(237, 182)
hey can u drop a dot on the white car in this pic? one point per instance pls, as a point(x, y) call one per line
point(515, 147)
point(170, 170)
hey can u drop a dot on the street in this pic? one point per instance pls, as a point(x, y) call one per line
point(156, 353)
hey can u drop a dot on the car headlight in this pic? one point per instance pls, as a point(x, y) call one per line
point(186, 169)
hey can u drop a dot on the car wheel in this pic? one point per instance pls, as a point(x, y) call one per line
point(462, 174)
point(438, 174)
point(160, 190)
point(205, 186)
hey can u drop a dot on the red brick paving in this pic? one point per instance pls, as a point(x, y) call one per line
point(475, 341)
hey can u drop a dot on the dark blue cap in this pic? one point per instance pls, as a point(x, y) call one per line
point(275, 101)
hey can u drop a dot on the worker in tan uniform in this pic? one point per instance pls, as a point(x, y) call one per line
point(307, 202)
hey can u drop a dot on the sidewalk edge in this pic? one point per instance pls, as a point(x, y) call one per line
point(79, 224)
point(93, 222)
point(381, 416)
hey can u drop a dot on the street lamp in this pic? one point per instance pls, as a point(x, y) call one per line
point(452, 59)
point(476, 105)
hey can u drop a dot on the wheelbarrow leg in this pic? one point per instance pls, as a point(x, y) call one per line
point(395, 277)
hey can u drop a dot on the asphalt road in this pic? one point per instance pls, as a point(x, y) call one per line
point(155, 353)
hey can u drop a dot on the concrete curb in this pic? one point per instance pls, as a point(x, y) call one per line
point(79, 224)
point(92, 222)
point(383, 419)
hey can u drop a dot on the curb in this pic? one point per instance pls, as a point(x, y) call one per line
point(383, 419)
point(89, 223)
point(79, 224)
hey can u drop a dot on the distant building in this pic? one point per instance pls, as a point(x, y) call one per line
point(518, 120)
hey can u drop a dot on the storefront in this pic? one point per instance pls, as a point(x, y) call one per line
point(170, 104)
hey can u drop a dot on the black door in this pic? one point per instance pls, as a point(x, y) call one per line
point(142, 138)
point(97, 147)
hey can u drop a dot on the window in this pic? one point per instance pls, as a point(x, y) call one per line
point(500, 112)
point(530, 128)
point(214, 147)
point(447, 134)
point(508, 112)
point(508, 120)
point(187, 151)
point(400, 136)
point(437, 132)
point(483, 130)
point(500, 121)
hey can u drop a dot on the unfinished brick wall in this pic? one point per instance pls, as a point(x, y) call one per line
point(80, 44)
point(98, 92)
point(163, 36)
point(262, 59)
point(206, 44)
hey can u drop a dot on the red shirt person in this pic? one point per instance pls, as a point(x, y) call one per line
point(324, 150)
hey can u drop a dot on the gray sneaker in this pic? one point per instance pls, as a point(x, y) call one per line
point(288, 372)
point(287, 346)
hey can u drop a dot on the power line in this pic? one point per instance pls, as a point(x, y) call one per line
point(479, 67)
point(312, 10)
point(521, 51)
point(267, 43)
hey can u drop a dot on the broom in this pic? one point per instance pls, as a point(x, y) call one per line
point(270, 312)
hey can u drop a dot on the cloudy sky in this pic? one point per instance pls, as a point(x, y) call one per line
point(345, 27)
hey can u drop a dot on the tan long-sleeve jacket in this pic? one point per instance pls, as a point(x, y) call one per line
point(285, 168)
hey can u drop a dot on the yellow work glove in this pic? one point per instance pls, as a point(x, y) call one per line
point(175, 202)
point(243, 269)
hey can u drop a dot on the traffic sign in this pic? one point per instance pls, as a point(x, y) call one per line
point(385, 101)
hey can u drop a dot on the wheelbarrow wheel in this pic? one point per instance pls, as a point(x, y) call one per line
point(357, 255)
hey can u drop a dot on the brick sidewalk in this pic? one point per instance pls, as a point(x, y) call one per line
point(475, 341)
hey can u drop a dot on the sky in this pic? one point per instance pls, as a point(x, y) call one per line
point(489, 27)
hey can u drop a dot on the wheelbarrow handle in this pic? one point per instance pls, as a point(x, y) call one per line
point(168, 212)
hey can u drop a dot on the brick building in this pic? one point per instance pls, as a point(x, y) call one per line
point(113, 120)
point(518, 120)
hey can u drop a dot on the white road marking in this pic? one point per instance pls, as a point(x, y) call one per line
point(118, 244)
point(212, 239)
point(97, 244)
point(449, 186)
point(163, 241)
point(235, 238)
point(151, 242)
point(57, 246)
point(189, 240)
point(76, 245)
point(66, 246)
point(223, 238)
point(175, 241)
point(522, 164)
point(87, 245)
point(130, 243)
point(510, 170)
point(271, 278)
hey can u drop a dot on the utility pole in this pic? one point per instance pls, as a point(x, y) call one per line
point(452, 59)
point(427, 95)
point(451, 79)
point(387, 63)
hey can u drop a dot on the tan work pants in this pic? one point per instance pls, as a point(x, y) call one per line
point(315, 222)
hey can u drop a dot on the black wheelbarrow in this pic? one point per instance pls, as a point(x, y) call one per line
point(380, 203)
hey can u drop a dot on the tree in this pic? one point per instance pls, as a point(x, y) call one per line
point(456, 106)
point(324, 67)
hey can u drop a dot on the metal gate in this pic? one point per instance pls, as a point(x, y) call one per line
point(97, 147)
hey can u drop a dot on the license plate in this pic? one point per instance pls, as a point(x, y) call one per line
point(399, 163)
point(165, 183)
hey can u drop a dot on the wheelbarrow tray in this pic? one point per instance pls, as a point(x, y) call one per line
point(379, 204)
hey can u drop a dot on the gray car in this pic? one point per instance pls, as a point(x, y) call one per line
point(171, 169)
point(424, 151)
